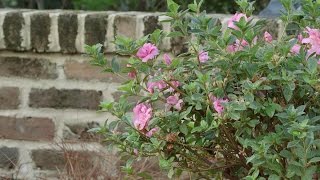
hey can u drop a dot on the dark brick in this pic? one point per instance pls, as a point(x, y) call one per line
point(48, 159)
point(9, 98)
point(12, 26)
point(79, 132)
point(28, 128)
point(125, 25)
point(8, 158)
point(60, 99)
point(151, 23)
point(68, 30)
point(40, 30)
point(95, 28)
point(27, 68)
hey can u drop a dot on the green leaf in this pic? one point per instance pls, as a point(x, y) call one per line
point(172, 6)
point(287, 92)
point(115, 65)
point(314, 160)
point(171, 173)
point(270, 110)
point(234, 115)
point(312, 65)
point(193, 7)
point(184, 129)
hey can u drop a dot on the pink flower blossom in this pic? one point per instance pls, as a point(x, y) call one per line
point(236, 18)
point(319, 62)
point(295, 49)
point(142, 114)
point(159, 85)
point(218, 104)
point(313, 40)
point(147, 51)
point(135, 152)
point(268, 37)
point(203, 56)
point(152, 131)
point(167, 59)
point(237, 46)
point(300, 38)
point(174, 101)
point(231, 48)
point(175, 84)
point(132, 74)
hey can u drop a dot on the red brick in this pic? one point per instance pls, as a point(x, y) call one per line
point(85, 71)
point(28, 128)
point(9, 98)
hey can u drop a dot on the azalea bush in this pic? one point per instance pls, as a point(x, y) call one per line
point(240, 103)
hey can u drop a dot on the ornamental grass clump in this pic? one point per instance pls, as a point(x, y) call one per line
point(240, 103)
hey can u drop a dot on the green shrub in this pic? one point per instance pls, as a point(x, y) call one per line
point(237, 105)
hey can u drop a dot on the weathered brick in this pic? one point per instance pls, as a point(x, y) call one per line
point(40, 30)
point(48, 159)
point(95, 28)
point(79, 132)
point(63, 98)
point(8, 158)
point(125, 25)
point(68, 30)
point(27, 68)
point(85, 71)
point(12, 27)
point(9, 98)
point(151, 23)
point(28, 128)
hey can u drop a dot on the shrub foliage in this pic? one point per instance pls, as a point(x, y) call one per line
point(240, 103)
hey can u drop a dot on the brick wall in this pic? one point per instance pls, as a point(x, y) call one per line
point(49, 93)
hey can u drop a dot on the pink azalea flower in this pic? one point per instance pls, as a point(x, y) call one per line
point(231, 48)
point(236, 18)
point(203, 56)
point(295, 49)
point(237, 46)
point(167, 59)
point(300, 38)
point(135, 152)
point(218, 104)
point(152, 131)
point(268, 37)
point(147, 52)
point(159, 85)
point(175, 84)
point(313, 40)
point(142, 114)
point(132, 74)
point(174, 101)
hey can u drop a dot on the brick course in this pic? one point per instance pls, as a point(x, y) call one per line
point(64, 98)
point(27, 68)
point(86, 72)
point(28, 128)
point(9, 98)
